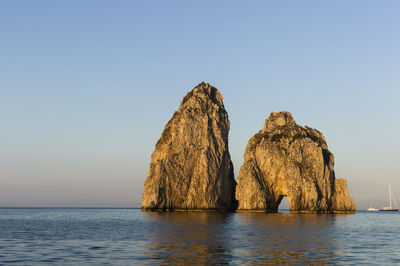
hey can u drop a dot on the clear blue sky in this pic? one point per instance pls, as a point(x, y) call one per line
point(87, 87)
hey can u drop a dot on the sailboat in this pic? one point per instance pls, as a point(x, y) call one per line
point(390, 208)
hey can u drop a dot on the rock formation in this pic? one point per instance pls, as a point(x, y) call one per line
point(285, 159)
point(191, 168)
point(342, 202)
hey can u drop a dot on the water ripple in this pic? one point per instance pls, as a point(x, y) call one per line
point(129, 236)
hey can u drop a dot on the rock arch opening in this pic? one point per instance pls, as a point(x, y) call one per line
point(282, 204)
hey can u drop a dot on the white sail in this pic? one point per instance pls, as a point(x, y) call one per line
point(391, 197)
point(396, 207)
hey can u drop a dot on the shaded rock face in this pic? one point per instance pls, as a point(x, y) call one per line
point(191, 168)
point(285, 159)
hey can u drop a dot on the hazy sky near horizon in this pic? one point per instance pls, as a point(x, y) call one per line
point(88, 86)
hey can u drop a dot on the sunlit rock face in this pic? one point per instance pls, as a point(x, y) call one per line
point(342, 202)
point(191, 168)
point(285, 159)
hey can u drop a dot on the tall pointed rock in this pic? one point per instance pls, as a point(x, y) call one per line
point(286, 160)
point(191, 168)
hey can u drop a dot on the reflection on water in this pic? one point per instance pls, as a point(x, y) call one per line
point(194, 237)
point(286, 238)
point(241, 237)
point(129, 236)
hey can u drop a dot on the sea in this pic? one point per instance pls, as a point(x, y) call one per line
point(97, 236)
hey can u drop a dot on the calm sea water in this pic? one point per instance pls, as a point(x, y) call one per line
point(129, 236)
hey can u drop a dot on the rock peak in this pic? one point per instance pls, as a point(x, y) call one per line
point(278, 119)
point(204, 85)
point(204, 91)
